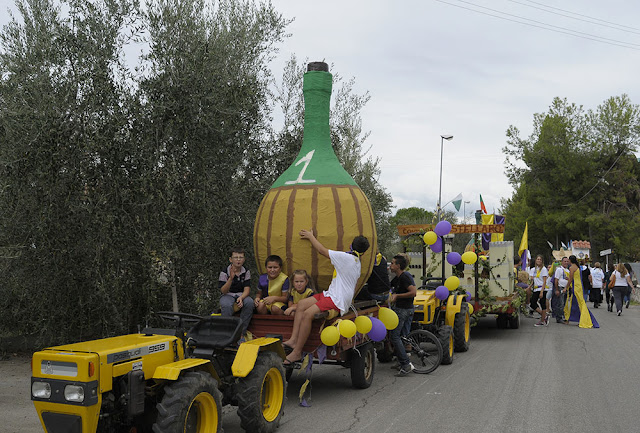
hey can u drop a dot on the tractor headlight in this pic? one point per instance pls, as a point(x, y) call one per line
point(74, 393)
point(41, 390)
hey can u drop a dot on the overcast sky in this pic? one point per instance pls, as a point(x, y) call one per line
point(453, 67)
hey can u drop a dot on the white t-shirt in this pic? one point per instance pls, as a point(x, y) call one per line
point(343, 285)
point(620, 280)
point(596, 278)
point(537, 275)
point(562, 275)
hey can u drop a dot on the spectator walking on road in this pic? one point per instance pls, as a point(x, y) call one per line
point(539, 275)
point(560, 279)
point(607, 290)
point(576, 309)
point(620, 281)
point(596, 278)
point(627, 298)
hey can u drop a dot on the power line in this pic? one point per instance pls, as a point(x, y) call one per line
point(549, 27)
point(612, 26)
point(581, 15)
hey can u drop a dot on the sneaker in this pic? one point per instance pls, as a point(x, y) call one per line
point(627, 305)
point(541, 323)
point(546, 321)
point(619, 313)
point(405, 369)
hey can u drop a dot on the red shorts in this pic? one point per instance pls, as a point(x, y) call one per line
point(324, 302)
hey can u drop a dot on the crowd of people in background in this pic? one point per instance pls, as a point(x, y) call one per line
point(561, 289)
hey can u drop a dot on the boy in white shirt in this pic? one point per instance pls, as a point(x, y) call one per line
point(337, 297)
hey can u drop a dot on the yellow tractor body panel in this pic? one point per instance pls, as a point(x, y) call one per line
point(172, 371)
point(248, 353)
point(119, 355)
point(60, 369)
point(454, 303)
point(426, 302)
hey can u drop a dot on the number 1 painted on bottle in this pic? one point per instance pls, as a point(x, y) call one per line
point(306, 159)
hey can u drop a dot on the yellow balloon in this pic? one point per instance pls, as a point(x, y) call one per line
point(388, 317)
point(430, 238)
point(347, 328)
point(363, 324)
point(452, 283)
point(330, 336)
point(484, 257)
point(469, 257)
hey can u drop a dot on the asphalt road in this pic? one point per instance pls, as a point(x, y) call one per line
point(554, 379)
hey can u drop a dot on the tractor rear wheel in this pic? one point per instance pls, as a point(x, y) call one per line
point(363, 366)
point(261, 395)
point(192, 404)
point(445, 334)
point(462, 329)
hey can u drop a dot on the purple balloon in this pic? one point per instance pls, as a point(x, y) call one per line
point(468, 297)
point(442, 228)
point(453, 258)
point(437, 247)
point(442, 293)
point(378, 330)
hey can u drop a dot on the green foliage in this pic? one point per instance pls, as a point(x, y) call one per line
point(122, 187)
point(576, 177)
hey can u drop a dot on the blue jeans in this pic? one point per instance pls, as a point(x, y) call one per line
point(404, 316)
point(226, 306)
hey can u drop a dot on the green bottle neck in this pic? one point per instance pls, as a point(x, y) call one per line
point(316, 164)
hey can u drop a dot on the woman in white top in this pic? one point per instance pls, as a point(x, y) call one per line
point(621, 280)
point(539, 275)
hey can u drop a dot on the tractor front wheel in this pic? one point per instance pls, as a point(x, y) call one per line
point(462, 329)
point(445, 334)
point(261, 395)
point(192, 404)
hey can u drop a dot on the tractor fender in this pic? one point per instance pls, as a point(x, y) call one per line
point(454, 304)
point(248, 353)
point(173, 370)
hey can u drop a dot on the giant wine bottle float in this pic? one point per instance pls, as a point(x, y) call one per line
point(315, 192)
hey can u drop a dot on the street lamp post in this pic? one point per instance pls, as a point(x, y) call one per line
point(442, 138)
point(464, 211)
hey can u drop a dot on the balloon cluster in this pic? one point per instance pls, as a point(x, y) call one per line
point(375, 327)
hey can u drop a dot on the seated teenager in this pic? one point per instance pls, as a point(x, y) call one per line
point(273, 288)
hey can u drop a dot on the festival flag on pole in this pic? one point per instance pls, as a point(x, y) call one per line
point(564, 246)
point(457, 202)
point(482, 206)
point(550, 244)
point(524, 246)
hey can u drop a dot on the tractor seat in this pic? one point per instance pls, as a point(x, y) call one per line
point(216, 332)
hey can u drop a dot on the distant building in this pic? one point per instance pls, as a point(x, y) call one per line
point(580, 249)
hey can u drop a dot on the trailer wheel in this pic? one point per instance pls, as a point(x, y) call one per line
point(501, 321)
point(363, 366)
point(445, 335)
point(462, 329)
point(261, 395)
point(191, 404)
point(514, 321)
point(426, 351)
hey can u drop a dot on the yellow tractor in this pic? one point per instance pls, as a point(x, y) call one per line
point(448, 319)
point(162, 380)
